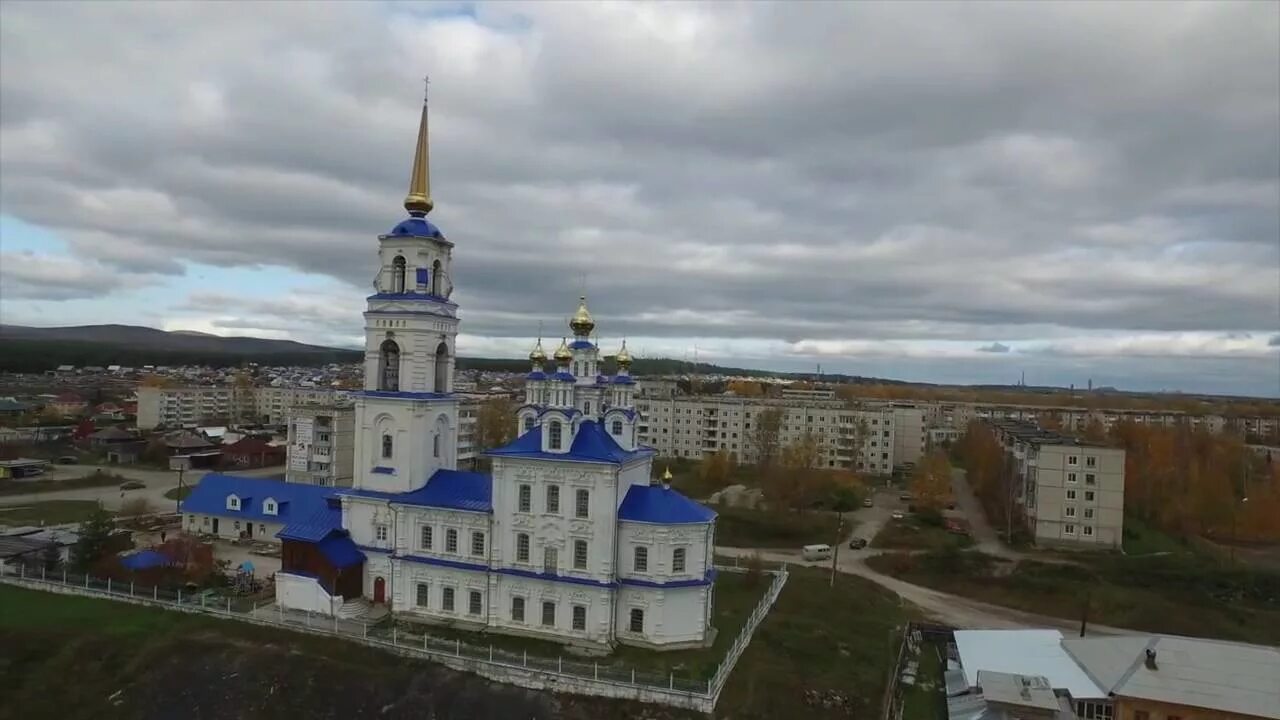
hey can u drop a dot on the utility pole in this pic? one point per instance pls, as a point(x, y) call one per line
point(835, 555)
point(177, 501)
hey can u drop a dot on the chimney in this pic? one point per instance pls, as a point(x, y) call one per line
point(1151, 659)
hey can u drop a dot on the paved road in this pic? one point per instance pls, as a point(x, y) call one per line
point(984, 536)
point(111, 496)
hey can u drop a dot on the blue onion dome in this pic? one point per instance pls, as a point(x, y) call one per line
point(417, 227)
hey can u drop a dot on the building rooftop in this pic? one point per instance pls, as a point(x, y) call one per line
point(590, 444)
point(451, 489)
point(661, 505)
point(294, 501)
point(1211, 674)
point(1025, 652)
point(1032, 691)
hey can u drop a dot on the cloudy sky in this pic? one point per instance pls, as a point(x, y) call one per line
point(951, 192)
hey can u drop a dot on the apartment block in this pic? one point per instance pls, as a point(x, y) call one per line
point(195, 405)
point(321, 443)
point(690, 427)
point(1071, 491)
point(274, 404)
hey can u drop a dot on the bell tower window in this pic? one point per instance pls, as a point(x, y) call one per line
point(437, 287)
point(386, 446)
point(397, 275)
point(389, 373)
point(442, 368)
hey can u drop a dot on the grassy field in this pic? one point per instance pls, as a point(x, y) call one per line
point(823, 651)
point(1143, 539)
point(739, 527)
point(1167, 594)
point(48, 512)
point(820, 643)
point(911, 534)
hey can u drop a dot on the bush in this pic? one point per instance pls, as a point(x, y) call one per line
point(930, 516)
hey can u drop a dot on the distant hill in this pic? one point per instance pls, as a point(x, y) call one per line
point(35, 349)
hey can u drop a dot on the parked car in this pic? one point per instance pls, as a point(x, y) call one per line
point(904, 497)
point(857, 543)
point(898, 515)
point(868, 503)
point(132, 485)
point(816, 552)
point(67, 460)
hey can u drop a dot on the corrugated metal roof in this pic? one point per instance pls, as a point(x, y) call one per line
point(340, 550)
point(1211, 674)
point(661, 505)
point(146, 560)
point(314, 527)
point(1024, 652)
point(294, 501)
point(451, 489)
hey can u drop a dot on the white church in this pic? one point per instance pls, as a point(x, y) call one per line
point(568, 539)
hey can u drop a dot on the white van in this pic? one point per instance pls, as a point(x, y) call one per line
point(816, 552)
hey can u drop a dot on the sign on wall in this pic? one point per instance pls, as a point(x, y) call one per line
point(300, 450)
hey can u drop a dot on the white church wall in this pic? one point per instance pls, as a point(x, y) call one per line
point(432, 601)
point(669, 615)
point(635, 473)
point(298, 592)
point(411, 520)
point(363, 516)
point(596, 605)
point(660, 543)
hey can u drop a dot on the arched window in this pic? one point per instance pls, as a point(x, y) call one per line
point(586, 407)
point(617, 427)
point(528, 423)
point(677, 560)
point(435, 446)
point(442, 368)
point(641, 560)
point(397, 274)
point(437, 285)
point(553, 439)
point(389, 376)
point(386, 446)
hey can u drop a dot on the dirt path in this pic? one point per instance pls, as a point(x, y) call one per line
point(984, 536)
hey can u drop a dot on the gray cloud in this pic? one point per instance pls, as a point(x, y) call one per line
point(747, 172)
point(994, 347)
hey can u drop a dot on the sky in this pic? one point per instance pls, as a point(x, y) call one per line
point(951, 192)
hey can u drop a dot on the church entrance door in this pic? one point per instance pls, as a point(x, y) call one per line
point(379, 590)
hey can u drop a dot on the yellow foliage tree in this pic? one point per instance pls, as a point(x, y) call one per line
point(931, 481)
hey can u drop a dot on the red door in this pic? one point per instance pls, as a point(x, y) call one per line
point(379, 590)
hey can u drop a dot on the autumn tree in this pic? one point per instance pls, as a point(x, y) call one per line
point(931, 481)
point(766, 436)
point(794, 481)
point(495, 423)
point(714, 470)
point(94, 539)
point(746, 388)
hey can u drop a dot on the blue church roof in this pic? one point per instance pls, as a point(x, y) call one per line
point(416, 227)
point(146, 560)
point(316, 526)
point(340, 550)
point(661, 505)
point(581, 345)
point(450, 489)
point(623, 380)
point(590, 444)
point(565, 376)
point(536, 375)
point(294, 501)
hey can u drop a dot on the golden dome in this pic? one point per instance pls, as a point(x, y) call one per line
point(623, 357)
point(666, 475)
point(582, 324)
point(562, 353)
point(538, 355)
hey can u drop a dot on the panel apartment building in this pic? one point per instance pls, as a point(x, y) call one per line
point(691, 426)
point(321, 442)
point(1071, 491)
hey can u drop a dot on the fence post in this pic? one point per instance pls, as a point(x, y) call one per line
point(424, 642)
point(525, 660)
point(108, 586)
point(155, 592)
point(365, 631)
point(490, 653)
point(307, 620)
point(179, 595)
point(709, 682)
point(42, 569)
point(457, 647)
point(560, 664)
point(22, 571)
point(335, 623)
point(595, 667)
point(64, 574)
point(130, 588)
point(393, 633)
point(633, 676)
point(672, 685)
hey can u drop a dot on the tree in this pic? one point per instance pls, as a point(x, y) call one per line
point(766, 435)
point(495, 424)
point(51, 558)
point(95, 536)
point(714, 469)
point(746, 388)
point(133, 507)
point(931, 481)
point(793, 483)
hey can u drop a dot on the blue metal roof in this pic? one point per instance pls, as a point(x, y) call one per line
point(662, 506)
point(629, 412)
point(707, 579)
point(623, 380)
point(565, 376)
point(146, 560)
point(590, 444)
point(294, 501)
point(406, 395)
point(450, 489)
point(340, 550)
point(407, 296)
point(316, 526)
point(581, 345)
point(536, 375)
point(416, 227)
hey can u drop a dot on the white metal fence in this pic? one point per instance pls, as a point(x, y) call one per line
point(533, 671)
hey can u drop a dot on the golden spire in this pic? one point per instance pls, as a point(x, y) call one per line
point(582, 324)
point(623, 357)
point(666, 476)
point(418, 201)
point(538, 355)
point(562, 355)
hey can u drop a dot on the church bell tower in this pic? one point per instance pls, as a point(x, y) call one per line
point(406, 414)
